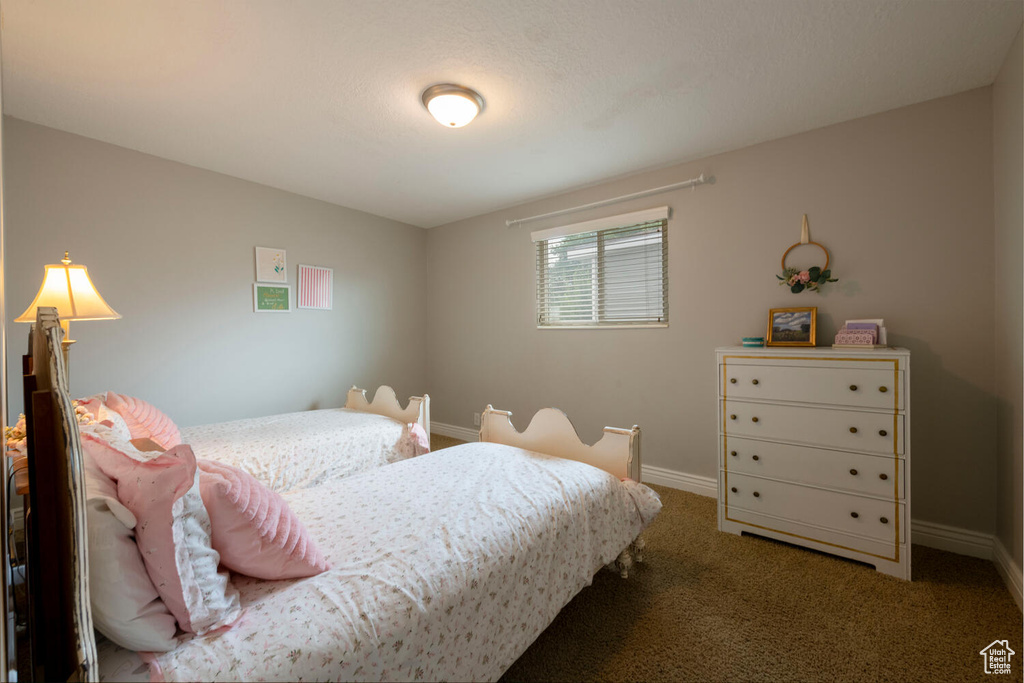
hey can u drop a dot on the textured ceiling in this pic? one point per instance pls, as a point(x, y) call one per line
point(322, 97)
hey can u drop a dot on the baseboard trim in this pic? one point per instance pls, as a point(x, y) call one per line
point(461, 433)
point(702, 486)
point(951, 538)
point(1010, 572)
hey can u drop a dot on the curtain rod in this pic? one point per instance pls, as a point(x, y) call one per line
point(692, 182)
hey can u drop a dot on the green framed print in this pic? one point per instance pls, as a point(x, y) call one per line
point(271, 298)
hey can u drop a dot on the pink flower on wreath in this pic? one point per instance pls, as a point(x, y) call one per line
point(793, 280)
point(804, 276)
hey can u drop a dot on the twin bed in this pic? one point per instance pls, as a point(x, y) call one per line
point(444, 566)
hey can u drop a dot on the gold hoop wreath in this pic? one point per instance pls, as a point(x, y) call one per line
point(811, 279)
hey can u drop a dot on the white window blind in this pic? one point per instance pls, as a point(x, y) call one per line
point(604, 273)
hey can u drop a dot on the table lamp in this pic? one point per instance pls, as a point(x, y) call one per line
point(67, 288)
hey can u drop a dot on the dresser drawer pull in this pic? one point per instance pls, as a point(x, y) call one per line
point(853, 387)
point(883, 520)
point(853, 472)
point(732, 453)
point(732, 417)
point(882, 432)
point(757, 457)
point(854, 515)
point(732, 381)
point(883, 389)
point(756, 494)
point(753, 419)
point(734, 490)
point(853, 430)
point(754, 381)
point(883, 477)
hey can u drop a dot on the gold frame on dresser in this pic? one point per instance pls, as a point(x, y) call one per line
point(895, 458)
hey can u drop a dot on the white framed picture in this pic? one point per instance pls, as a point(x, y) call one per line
point(316, 287)
point(271, 298)
point(271, 265)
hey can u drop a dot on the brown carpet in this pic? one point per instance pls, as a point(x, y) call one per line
point(708, 606)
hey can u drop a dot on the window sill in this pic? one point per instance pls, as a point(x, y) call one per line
point(603, 327)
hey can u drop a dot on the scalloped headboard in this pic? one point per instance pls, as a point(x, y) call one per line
point(551, 432)
point(385, 402)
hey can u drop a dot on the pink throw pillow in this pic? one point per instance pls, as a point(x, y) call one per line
point(172, 530)
point(254, 530)
point(143, 420)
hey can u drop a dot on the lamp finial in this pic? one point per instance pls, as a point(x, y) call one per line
point(66, 260)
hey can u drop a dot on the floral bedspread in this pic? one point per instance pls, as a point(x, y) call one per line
point(299, 450)
point(444, 567)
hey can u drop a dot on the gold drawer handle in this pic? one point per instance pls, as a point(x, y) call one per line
point(882, 432)
point(853, 387)
point(853, 430)
point(753, 419)
point(883, 477)
point(757, 457)
point(853, 472)
point(883, 389)
point(754, 381)
point(883, 520)
point(854, 515)
point(734, 489)
point(732, 417)
point(732, 453)
point(732, 381)
point(756, 494)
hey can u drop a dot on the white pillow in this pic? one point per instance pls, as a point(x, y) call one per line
point(117, 424)
point(125, 605)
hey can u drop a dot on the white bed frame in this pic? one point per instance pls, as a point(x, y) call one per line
point(385, 403)
point(551, 432)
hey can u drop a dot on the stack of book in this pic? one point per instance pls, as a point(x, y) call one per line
point(861, 334)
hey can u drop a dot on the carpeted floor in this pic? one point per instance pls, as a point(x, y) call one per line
point(708, 606)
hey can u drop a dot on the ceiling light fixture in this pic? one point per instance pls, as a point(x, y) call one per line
point(452, 105)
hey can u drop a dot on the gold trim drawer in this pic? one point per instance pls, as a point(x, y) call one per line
point(826, 540)
point(863, 385)
point(873, 475)
point(848, 430)
point(844, 512)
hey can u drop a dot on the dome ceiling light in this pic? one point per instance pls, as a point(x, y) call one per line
point(452, 105)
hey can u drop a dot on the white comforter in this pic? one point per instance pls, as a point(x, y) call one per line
point(299, 450)
point(444, 567)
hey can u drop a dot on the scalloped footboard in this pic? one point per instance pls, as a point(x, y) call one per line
point(385, 402)
point(551, 432)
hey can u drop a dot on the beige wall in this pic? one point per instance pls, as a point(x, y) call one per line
point(1008, 175)
point(904, 201)
point(171, 248)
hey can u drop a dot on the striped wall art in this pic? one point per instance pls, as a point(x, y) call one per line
point(316, 286)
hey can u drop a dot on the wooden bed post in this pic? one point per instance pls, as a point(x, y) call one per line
point(60, 624)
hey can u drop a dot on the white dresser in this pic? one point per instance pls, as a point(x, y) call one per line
point(814, 449)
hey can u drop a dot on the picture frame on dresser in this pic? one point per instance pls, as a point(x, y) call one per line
point(814, 450)
point(792, 326)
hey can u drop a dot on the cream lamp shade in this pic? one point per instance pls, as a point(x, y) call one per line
point(67, 287)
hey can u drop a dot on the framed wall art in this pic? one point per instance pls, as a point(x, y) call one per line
point(792, 326)
point(271, 265)
point(316, 288)
point(271, 298)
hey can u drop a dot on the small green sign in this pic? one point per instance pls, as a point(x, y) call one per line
point(272, 298)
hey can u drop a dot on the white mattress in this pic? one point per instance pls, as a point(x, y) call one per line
point(444, 567)
point(299, 450)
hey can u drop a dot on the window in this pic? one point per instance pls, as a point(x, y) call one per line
point(604, 273)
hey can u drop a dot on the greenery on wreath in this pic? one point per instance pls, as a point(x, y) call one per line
point(811, 279)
